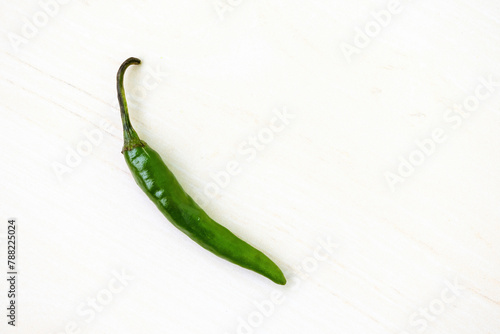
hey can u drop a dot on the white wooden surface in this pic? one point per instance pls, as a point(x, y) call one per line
point(360, 256)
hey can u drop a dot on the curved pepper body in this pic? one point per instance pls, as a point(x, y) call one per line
point(161, 186)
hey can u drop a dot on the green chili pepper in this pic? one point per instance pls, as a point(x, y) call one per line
point(161, 186)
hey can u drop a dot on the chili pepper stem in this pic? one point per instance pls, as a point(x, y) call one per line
point(130, 137)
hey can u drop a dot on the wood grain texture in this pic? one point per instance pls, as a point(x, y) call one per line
point(95, 256)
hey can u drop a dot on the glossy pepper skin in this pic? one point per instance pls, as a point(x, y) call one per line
point(161, 186)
